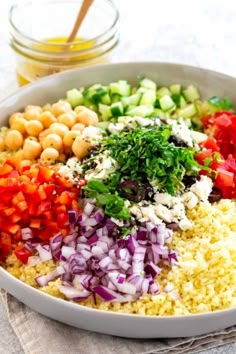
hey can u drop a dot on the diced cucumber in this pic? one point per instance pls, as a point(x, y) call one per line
point(121, 87)
point(97, 94)
point(74, 97)
point(132, 100)
point(117, 109)
point(191, 93)
point(106, 99)
point(163, 91)
point(160, 114)
point(87, 103)
point(148, 98)
point(166, 103)
point(189, 111)
point(141, 90)
point(148, 84)
point(182, 102)
point(116, 98)
point(105, 111)
point(179, 100)
point(175, 89)
point(140, 111)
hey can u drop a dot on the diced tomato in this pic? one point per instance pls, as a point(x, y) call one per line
point(223, 120)
point(203, 155)
point(224, 179)
point(210, 144)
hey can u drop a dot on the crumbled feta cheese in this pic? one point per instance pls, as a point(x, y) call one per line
point(180, 130)
point(71, 170)
point(93, 134)
point(190, 199)
point(105, 165)
point(164, 198)
point(131, 123)
point(198, 137)
point(115, 127)
point(202, 188)
point(185, 224)
point(163, 213)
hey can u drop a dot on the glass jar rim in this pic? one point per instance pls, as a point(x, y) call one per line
point(97, 39)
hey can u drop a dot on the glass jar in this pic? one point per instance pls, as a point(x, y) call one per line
point(39, 31)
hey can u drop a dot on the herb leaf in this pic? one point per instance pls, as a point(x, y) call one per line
point(113, 204)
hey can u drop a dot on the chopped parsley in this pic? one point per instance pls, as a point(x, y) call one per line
point(113, 204)
point(146, 154)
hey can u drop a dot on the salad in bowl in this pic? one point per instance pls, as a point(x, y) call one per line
point(121, 197)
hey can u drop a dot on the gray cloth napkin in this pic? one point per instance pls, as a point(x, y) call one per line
point(40, 335)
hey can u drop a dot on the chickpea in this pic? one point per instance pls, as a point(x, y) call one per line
point(32, 138)
point(49, 156)
point(79, 109)
point(78, 126)
point(34, 127)
point(19, 124)
point(59, 129)
point(60, 107)
point(70, 137)
point(15, 116)
point(47, 118)
point(31, 149)
point(13, 140)
point(2, 144)
point(87, 117)
point(32, 112)
point(81, 147)
point(43, 134)
point(67, 119)
point(52, 141)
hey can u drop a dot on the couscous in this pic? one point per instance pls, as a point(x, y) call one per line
point(122, 199)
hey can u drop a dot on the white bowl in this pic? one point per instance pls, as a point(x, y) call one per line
point(126, 325)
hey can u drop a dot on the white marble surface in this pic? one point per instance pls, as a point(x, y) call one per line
point(200, 33)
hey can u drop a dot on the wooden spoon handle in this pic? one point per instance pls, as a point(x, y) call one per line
point(80, 17)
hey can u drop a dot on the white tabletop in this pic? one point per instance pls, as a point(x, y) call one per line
point(201, 33)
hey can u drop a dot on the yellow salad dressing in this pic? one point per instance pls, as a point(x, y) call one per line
point(35, 66)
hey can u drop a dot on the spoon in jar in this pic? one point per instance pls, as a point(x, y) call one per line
point(80, 17)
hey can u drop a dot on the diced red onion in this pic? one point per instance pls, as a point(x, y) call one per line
point(43, 280)
point(93, 260)
point(72, 293)
point(26, 234)
point(151, 268)
point(33, 260)
point(72, 216)
point(88, 208)
point(67, 251)
point(45, 253)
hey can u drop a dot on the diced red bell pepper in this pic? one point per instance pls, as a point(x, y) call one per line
point(22, 254)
